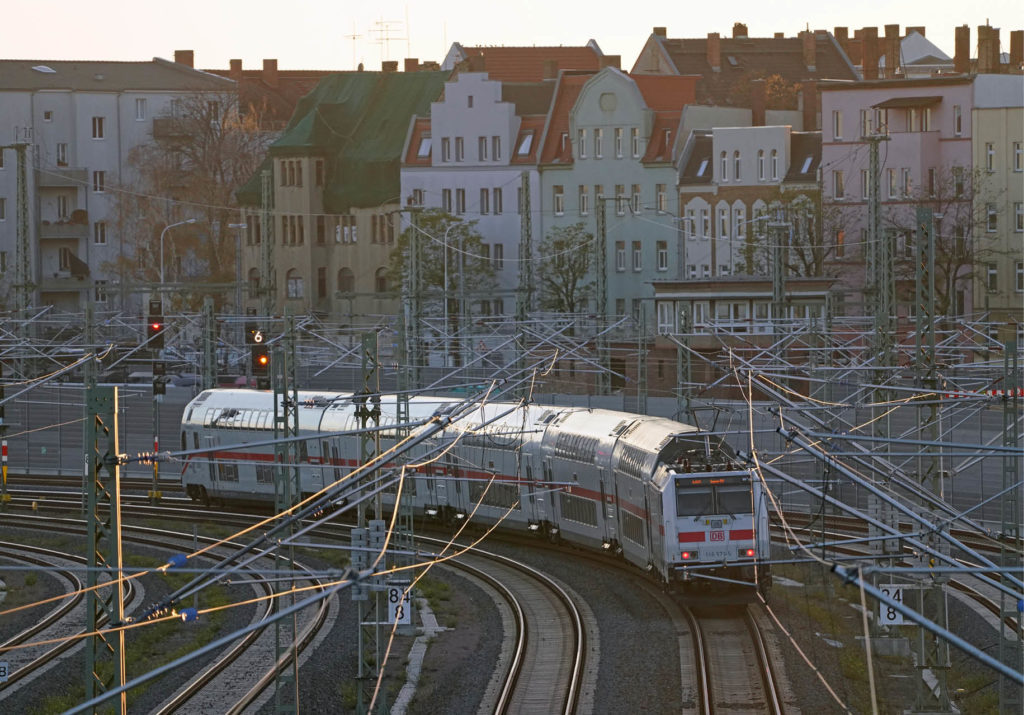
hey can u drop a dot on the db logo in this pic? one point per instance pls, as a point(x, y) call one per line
point(718, 536)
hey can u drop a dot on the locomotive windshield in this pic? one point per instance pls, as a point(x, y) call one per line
point(700, 497)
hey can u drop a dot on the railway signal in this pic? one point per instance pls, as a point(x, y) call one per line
point(260, 355)
point(155, 325)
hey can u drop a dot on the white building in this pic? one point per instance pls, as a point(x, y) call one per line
point(80, 121)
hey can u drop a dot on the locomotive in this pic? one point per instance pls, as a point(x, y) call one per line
point(664, 495)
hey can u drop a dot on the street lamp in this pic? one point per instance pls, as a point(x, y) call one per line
point(162, 234)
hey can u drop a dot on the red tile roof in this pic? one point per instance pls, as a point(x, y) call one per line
point(526, 64)
point(569, 88)
point(667, 92)
point(533, 124)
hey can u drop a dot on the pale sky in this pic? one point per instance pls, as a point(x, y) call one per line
point(316, 34)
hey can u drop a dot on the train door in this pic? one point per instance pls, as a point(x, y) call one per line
point(325, 463)
point(608, 508)
point(547, 502)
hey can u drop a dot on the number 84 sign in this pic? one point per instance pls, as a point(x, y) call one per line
point(887, 615)
point(398, 604)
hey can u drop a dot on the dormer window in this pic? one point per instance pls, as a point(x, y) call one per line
point(703, 167)
point(807, 165)
point(525, 143)
point(423, 151)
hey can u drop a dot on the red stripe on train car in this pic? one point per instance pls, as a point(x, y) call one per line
point(687, 537)
point(738, 534)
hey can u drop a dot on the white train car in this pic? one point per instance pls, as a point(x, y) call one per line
point(660, 493)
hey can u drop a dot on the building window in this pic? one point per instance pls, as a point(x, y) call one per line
point(481, 143)
point(598, 143)
point(99, 181)
point(634, 140)
point(638, 256)
point(581, 143)
point(760, 164)
point(620, 199)
point(97, 127)
point(100, 291)
point(690, 224)
point(140, 109)
point(380, 280)
point(736, 173)
point(485, 201)
point(48, 115)
point(620, 307)
point(724, 161)
point(705, 223)
point(958, 181)
point(893, 183)
point(837, 124)
point(99, 233)
point(618, 142)
point(705, 271)
point(775, 164)
point(723, 222)
point(1020, 276)
point(446, 200)
point(636, 198)
point(446, 149)
point(62, 207)
point(62, 155)
point(905, 181)
point(346, 280)
point(1018, 156)
point(838, 191)
point(926, 119)
point(738, 227)
point(498, 254)
point(932, 181)
point(321, 230)
point(691, 271)
point(294, 284)
point(417, 197)
point(661, 198)
point(498, 208)
point(1018, 216)
point(992, 277)
point(661, 254)
point(3, 209)
point(318, 172)
point(991, 218)
point(298, 173)
point(525, 144)
point(865, 122)
point(496, 148)
point(559, 200)
point(620, 255)
point(460, 149)
point(460, 201)
point(958, 120)
point(584, 194)
point(840, 243)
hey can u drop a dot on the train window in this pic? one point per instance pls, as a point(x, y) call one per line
point(228, 472)
point(733, 500)
point(264, 474)
point(336, 462)
point(632, 527)
point(693, 502)
point(184, 441)
point(303, 452)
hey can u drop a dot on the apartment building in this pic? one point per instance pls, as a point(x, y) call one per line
point(81, 121)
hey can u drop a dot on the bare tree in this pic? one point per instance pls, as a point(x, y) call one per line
point(201, 153)
point(562, 271)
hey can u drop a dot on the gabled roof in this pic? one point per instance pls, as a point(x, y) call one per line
point(526, 64)
point(746, 58)
point(153, 75)
point(274, 104)
point(569, 87)
point(357, 121)
point(528, 97)
point(917, 49)
point(804, 157)
point(698, 168)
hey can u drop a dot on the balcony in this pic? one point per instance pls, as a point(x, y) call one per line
point(67, 230)
point(60, 177)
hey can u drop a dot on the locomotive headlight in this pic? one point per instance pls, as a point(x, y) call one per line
point(750, 553)
point(431, 511)
point(460, 515)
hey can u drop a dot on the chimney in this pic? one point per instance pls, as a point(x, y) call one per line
point(1016, 49)
point(892, 50)
point(962, 54)
point(809, 46)
point(389, 66)
point(412, 64)
point(236, 70)
point(714, 51)
point(809, 97)
point(270, 73)
point(842, 35)
point(660, 32)
point(550, 69)
point(758, 102)
point(611, 61)
point(919, 29)
point(739, 30)
point(185, 57)
point(988, 49)
point(869, 52)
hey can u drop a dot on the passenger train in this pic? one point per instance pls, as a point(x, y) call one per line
point(663, 494)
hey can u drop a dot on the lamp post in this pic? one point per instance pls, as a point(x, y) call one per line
point(162, 234)
point(447, 341)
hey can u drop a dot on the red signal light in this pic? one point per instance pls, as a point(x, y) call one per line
point(686, 555)
point(750, 553)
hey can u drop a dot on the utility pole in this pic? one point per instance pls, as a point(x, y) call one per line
point(209, 379)
point(524, 297)
point(932, 652)
point(603, 380)
point(778, 235)
point(23, 283)
point(1011, 641)
point(287, 493)
point(104, 652)
point(268, 278)
point(641, 365)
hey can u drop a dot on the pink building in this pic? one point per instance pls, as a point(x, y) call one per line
point(924, 158)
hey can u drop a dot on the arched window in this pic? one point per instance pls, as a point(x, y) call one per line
point(760, 164)
point(736, 166)
point(380, 280)
point(294, 284)
point(346, 280)
point(725, 167)
point(775, 164)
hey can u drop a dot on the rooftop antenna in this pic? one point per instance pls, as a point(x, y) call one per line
point(353, 37)
point(383, 29)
